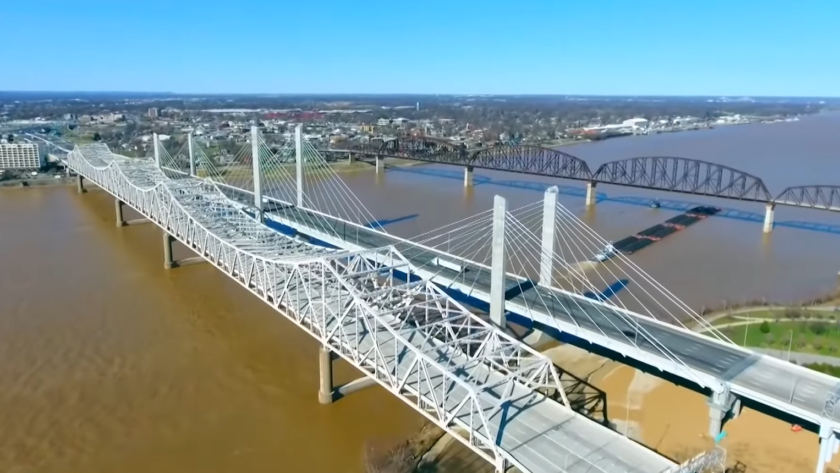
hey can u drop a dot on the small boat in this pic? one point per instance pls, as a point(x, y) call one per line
point(607, 253)
point(655, 204)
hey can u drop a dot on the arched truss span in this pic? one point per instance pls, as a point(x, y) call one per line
point(512, 158)
point(811, 197)
point(689, 176)
point(531, 160)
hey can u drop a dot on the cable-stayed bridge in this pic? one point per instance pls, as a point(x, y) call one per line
point(284, 226)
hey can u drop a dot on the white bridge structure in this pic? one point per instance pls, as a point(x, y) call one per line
point(395, 308)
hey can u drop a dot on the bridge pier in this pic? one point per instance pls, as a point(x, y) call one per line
point(769, 217)
point(829, 446)
point(325, 379)
point(591, 195)
point(351, 158)
point(722, 406)
point(380, 164)
point(80, 184)
point(118, 210)
point(327, 393)
point(167, 250)
point(468, 176)
point(497, 264)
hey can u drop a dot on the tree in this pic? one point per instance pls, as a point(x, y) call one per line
point(10, 138)
point(97, 136)
point(764, 327)
point(818, 328)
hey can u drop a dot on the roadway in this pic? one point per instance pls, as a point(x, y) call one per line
point(534, 433)
point(789, 388)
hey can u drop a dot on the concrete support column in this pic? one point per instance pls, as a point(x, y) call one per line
point(547, 254)
point(468, 176)
point(255, 162)
point(351, 158)
point(380, 164)
point(769, 218)
point(299, 164)
point(828, 447)
point(498, 264)
point(118, 210)
point(80, 184)
point(591, 195)
point(167, 250)
point(325, 385)
point(723, 405)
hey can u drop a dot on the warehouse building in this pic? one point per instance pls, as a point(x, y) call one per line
point(20, 156)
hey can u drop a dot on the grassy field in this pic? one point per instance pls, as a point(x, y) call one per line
point(814, 336)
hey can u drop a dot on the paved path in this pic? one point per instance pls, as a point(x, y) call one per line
point(746, 310)
point(801, 358)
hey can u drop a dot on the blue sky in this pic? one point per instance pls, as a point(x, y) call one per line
point(642, 47)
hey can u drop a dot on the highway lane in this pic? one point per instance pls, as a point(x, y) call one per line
point(773, 382)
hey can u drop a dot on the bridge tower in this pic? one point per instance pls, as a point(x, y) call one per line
point(255, 161)
point(299, 163)
point(547, 254)
point(156, 149)
point(497, 263)
point(191, 154)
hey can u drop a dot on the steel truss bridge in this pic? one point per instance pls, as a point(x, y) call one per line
point(491, 392)
point(662, 173)
point(372, 299)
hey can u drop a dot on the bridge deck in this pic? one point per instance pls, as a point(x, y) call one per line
point(779, 384)
point(541, 434)
point(535, 432)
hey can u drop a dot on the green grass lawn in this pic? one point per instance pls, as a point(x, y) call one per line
point(820, 337)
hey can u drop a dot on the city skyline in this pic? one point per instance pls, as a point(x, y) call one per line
point(539, 48)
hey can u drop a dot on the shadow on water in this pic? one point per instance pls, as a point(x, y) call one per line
point(610, 291)
point(667, 204)
point(385, 222)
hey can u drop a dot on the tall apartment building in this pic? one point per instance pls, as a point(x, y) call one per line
point(153, 113)
point(20, 156)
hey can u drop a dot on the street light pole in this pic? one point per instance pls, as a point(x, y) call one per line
point(790, 344)
point(747, 329)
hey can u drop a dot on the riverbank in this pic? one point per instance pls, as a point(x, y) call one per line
point(664, 417)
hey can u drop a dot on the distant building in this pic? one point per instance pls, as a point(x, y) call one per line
point(153, 113)
point(636, 123)
point(383, 122)
point(20, 156)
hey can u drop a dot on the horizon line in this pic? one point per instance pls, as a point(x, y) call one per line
point(415, 94)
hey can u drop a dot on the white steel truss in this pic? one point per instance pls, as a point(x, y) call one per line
point(367, 306)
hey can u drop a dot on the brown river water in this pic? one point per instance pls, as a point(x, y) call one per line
point(110, 363)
